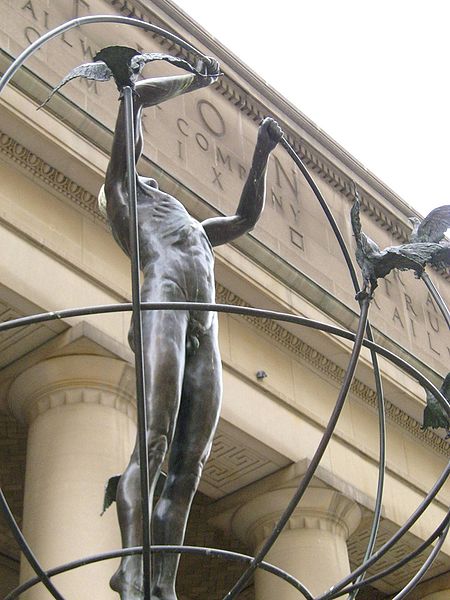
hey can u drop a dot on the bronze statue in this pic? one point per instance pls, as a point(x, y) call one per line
point(433, 227)
point(425, 248)
point(181, 354)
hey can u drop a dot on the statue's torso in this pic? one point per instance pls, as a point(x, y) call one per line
point(175, 253)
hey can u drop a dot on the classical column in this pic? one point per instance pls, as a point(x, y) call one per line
point(312, 547)
point(81, 420)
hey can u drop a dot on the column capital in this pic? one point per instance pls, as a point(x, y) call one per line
point(320, 508)
point(73, 379)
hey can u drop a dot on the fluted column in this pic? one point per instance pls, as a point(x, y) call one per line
point(312, 547)
point(81, 420)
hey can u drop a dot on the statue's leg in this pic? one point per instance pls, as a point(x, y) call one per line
point(164, 335)
point(196, 424)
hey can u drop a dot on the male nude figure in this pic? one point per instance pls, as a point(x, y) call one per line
point(181, 354)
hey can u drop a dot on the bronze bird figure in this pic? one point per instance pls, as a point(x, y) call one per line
point(376, 263)
point(434, 415)
point(433, 227)
point(120, 63)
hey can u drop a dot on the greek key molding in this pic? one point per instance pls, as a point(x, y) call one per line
point(53, 178)
point(230, 461)
point(325, 366)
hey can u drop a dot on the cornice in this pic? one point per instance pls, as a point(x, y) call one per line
point(88, 203)
point(323, 365)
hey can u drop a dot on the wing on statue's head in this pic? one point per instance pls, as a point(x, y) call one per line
point(434, 225)
point(441, 258)
point(98, 71)
point(137, 62)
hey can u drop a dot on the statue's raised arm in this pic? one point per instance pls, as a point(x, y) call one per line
point(221, 230)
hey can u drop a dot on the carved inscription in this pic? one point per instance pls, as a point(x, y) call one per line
point(43, 20)
point(283, 189)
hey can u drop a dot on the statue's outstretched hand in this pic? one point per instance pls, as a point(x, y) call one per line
point(209, 68)
point(269, 134)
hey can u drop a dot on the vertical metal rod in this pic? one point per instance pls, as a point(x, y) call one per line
point(25, 548)
point(348, 378)
point(138, 342)
point(436, 297)
point(381, 469)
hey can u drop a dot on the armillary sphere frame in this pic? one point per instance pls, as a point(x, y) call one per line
point(357, 579)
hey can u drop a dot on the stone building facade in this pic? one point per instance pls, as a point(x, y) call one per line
point(67, 410)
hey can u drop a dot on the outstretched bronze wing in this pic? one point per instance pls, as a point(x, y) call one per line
point(95, 70)
point(398, 257)
point(137, 62)
point(412, 256)
point(434, 225)
point(441, 258)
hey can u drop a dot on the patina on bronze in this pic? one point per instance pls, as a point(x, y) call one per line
point(180, 348)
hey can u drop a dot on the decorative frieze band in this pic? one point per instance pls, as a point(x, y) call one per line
point(49, 175)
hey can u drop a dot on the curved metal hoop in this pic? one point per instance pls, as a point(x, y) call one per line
point(194, 550)
point(359, 341)
point(282, 317)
